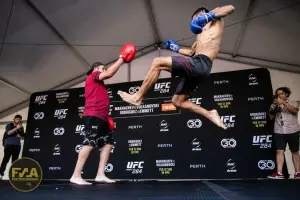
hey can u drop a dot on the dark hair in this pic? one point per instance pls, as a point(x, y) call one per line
point(18, 116)
point(285, 90)
point(203, 9)
point(96, 64)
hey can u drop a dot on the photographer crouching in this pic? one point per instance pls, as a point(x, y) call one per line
point(14, 132)
point(286, 129)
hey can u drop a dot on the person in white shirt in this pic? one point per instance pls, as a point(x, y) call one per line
point(286, 130)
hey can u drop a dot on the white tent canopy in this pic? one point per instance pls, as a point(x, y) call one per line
point(48, 45)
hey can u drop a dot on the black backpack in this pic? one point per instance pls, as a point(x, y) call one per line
point(5, 135)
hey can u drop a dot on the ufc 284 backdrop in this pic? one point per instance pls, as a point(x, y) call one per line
point(157, 140)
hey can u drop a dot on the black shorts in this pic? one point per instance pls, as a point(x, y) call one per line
point(96, 132)
point(192, 71)
point(291, 139)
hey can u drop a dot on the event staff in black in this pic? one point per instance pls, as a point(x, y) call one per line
point(14, 132)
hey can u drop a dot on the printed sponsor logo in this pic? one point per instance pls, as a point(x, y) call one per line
point(196, 101)
point(62, 97)
point(135, 126)
point(59, 131)
point(37, 133)
point(136, 167)
point(228, 143)
point(197, 166)
point(164, 126)
point(167, 107)
point(78, 148)
point(266, 165)
point(60, 113)
point(40, 100)
point(134, 89)
point(163, 87)
point(56, 150)
point(228, 121)
point(194, 123)
point(253, 79)
point(196, 145)
point(231, 166)
point(108, 168)
point(263, 141)
point(165, 167)
point(39, 115)
point(221, 82)
point(256, 98)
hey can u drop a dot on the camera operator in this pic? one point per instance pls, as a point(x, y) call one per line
point(286, 129)
point(14, 132)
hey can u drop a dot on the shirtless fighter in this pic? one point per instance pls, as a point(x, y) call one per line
point(209, 28)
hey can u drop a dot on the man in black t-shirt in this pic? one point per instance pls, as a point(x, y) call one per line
point(14, 132)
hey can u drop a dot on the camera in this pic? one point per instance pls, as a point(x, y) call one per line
point(277, 107)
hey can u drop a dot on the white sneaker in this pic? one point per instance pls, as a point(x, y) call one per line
point(79, 181)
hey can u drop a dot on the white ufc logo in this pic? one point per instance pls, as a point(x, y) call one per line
point(228, 119)
point(135, 164)
point(262, 139)
point(41, 99)
point(79, 128)
point(164, 85)
point(196, 101)
point(61, 112)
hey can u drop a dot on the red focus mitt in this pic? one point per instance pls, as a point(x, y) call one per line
point(111, 123)
point(128, 52)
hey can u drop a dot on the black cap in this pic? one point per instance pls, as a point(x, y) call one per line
point(96, 64)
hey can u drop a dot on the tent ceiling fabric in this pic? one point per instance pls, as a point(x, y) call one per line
point(35, 57)
point(12, 96)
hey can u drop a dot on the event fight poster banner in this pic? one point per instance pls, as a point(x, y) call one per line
point(157, 140)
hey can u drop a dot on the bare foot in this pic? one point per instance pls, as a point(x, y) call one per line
point(129, 98)
point(103, 179)
point(79, 181)
point(215, 118)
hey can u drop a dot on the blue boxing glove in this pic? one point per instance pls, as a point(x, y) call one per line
point(171, 44)
point(199, 22)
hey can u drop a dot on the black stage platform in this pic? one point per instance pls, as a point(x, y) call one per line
point(190, 190)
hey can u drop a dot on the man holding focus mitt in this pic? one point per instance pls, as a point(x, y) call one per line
point(98, 124)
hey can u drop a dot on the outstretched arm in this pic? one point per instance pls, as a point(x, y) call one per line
point(188, 52)
point(171, 44)
point(199, 22)
point(223, 11)
point(111, 70)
